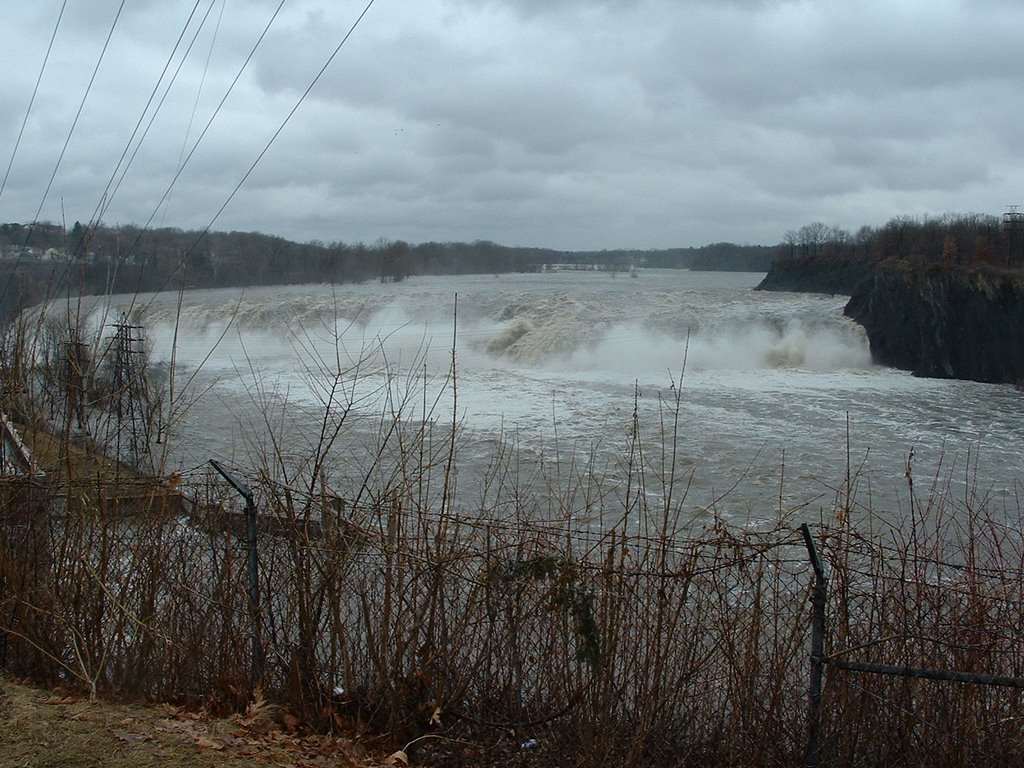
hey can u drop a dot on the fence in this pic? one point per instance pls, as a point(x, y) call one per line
point(480, 639)
point(819, 659)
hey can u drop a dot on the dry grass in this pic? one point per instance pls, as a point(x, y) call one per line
point(61, 728)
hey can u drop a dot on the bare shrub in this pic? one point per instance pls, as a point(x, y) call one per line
point(605, 622)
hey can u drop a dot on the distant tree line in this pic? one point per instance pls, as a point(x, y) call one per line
point(949, 239)
point(125, 258)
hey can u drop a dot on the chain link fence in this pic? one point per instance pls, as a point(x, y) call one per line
point(478, 639)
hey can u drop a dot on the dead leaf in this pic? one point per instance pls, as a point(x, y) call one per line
point(131, 738)
point(291, 722)
point(177, 726)
point(203, 741)
point(435, 719)
point(61, 700)
point(397, 758)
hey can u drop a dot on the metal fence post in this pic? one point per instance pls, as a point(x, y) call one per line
point(254, 585)
point(818, 598)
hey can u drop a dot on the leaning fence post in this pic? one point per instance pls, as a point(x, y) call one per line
point(818, 598)
point(254, 585)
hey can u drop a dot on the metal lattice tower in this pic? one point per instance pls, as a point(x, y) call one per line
point(1013, 236)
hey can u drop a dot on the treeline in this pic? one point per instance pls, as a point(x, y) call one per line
point(45, 258)
point(949, 239)
point(128, 258)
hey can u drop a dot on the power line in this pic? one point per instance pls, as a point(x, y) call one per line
point(183, 163)
point(269, 143)
point(74, 124)
point(199, 92)
point(31, 101)
point(107, 197)
point(209, 122)
point(284, 123)
point(17, 143)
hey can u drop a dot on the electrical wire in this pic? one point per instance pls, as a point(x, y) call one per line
point(206, 128)
point(284, 123)
point(199, 93)
point(32, 100)
point(108, 194)
point(78, 114)
point(267, 146)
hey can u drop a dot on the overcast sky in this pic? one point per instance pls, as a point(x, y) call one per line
point(571, 124)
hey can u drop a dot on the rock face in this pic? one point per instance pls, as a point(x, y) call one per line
point(815, 274)
point(944, 322)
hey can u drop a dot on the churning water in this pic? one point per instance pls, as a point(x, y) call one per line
point(776, 392)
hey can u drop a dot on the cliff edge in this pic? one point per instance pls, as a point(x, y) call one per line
point(940, 321)
point(944, 321)
point(817, 274)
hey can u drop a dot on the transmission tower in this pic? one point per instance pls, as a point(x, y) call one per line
point(129, 388)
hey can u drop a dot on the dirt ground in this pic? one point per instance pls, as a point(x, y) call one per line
point(53, 729)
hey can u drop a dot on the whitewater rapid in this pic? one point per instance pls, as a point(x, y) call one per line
point(777, 395)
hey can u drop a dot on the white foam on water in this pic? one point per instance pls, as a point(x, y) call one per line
point(570, 357)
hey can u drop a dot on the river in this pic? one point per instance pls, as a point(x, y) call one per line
point(769, 400)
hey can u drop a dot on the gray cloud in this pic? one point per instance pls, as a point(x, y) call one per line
point(587, 124)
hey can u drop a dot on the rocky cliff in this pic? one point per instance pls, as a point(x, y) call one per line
point(817, 274)
point(944, 322)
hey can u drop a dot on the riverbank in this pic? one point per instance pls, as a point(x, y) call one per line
point(62, 728)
